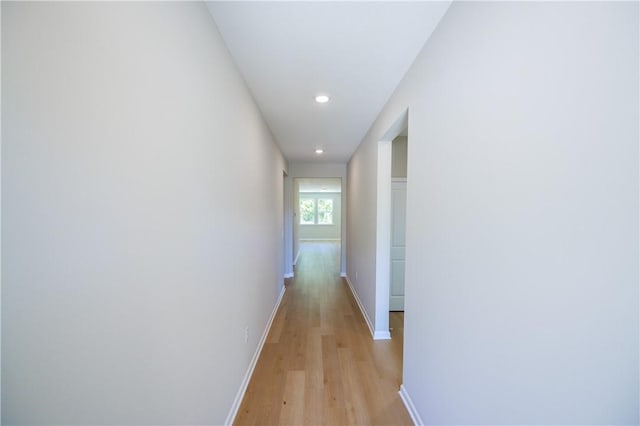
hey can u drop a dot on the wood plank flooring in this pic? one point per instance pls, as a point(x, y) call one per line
point(319, 364)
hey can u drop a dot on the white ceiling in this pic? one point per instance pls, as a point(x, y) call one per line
point(355, 52)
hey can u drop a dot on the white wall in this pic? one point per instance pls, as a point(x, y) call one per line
point(522, 223)
point(322, 232)
point(130, 264)
point(321, 170)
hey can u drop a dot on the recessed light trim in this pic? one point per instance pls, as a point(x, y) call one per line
point(322, 99)
point(319, 151)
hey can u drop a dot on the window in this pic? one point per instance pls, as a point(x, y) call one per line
point(325, 211)
point(316, 211)
point(307, 211)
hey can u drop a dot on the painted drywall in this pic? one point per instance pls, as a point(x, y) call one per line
point(322, 232)
point(130, 265)
point(399, 157)
point(321, 170)
point(522, 215)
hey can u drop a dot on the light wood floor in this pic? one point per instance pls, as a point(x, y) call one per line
point(319, 364)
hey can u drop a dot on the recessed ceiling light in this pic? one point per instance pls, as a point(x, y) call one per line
point(319, 150)
point(321, 99)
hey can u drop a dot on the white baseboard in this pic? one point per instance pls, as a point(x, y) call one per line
point(252, 365)
point(364, 313)
point(381, 335)
point(289, 275)
point(343, 274)
point(408, 403)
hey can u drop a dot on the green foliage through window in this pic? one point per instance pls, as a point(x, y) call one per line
point(316, 211)
point(325, 212)
point(307, 212)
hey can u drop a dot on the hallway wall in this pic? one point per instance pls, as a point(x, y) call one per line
point(142, 216)
point(522, 215)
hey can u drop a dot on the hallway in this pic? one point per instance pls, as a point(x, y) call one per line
point(319, 364)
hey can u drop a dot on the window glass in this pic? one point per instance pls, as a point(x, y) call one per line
point(325, 211)
point(307, 211)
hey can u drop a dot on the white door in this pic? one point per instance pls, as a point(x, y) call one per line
point(398, 214)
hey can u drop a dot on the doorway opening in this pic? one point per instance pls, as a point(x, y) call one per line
point(287, 229)
point(398, 207)
point(390, 209)
point(317, 214)
point(398, 218)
